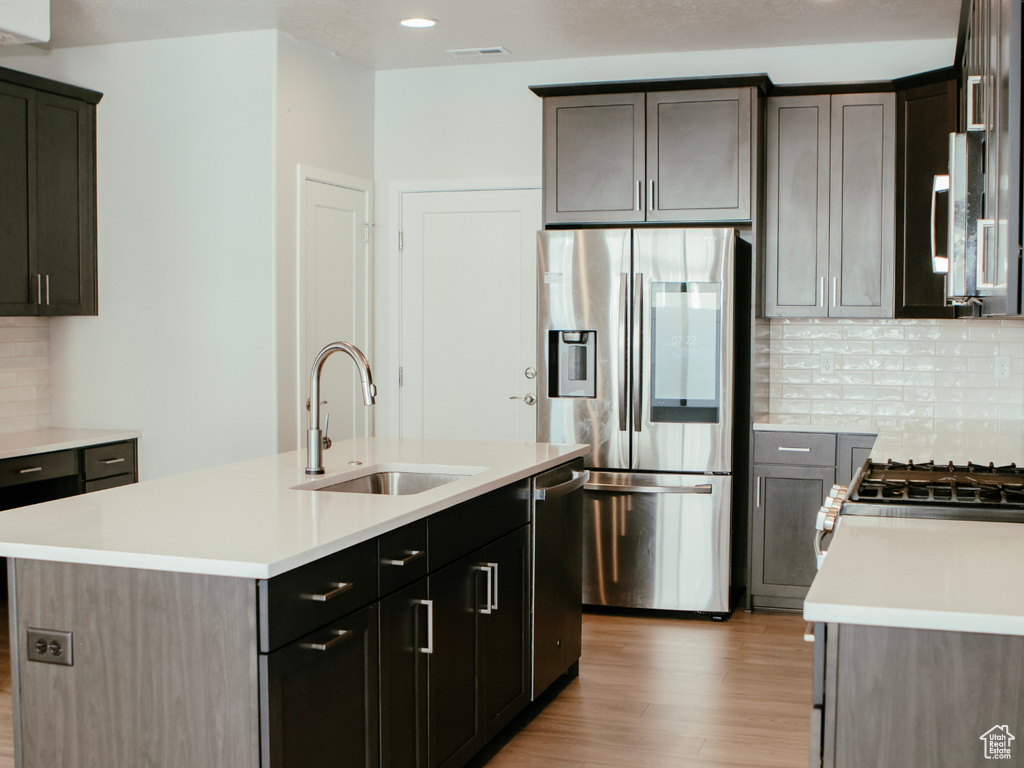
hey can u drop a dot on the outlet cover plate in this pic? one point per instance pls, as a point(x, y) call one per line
point(828, 363)
point(49, 646)
point(1002, 368)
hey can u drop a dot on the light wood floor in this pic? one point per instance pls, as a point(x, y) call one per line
point(664, 693)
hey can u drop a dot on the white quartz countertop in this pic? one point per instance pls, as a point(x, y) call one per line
point(922, 574)
point(48, 440)
point(246, 519)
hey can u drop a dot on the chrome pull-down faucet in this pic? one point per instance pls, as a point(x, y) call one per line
point(314, 437)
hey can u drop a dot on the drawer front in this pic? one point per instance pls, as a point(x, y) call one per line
point(454, 532)
point(109, 482)
point(402, 556)
point(109, 460)
point(40, 466)
point(814, 449)
point(295, 603)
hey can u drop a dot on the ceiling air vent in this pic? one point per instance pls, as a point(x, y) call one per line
point(466, 53)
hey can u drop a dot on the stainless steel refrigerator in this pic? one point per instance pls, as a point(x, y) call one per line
point(636, 358)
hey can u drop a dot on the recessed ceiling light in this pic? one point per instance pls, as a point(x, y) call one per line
point(419, 23)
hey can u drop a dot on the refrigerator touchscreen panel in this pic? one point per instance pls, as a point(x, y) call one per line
point(686, 364)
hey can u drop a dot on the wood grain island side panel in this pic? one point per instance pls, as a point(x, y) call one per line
point(164, 674)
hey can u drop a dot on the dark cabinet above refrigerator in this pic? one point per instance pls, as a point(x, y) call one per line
point(675, 151)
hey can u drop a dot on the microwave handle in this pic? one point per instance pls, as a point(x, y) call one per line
point(940, 183)
point(973, 84)
point(983, 226)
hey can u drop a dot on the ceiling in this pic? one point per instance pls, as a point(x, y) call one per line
point(367, 31)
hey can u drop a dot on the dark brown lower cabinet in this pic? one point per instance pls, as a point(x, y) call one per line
point(404, 642)
point(478, 675)
point(319, 697)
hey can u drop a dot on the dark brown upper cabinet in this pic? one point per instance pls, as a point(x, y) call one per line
point(47, 197)
point(830, 176)
point(658, 154)
point(926, 115)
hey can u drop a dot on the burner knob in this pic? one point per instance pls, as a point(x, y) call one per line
point(839, 492)
point(827, 516)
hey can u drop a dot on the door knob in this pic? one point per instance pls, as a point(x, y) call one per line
point(529, 399)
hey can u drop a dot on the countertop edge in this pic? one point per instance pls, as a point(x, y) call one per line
point(911, 618)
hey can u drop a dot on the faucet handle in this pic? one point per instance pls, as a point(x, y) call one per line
point(327, 426)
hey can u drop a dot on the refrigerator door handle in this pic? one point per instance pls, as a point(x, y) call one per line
point(638, 340)
point(623, 348)
point(703, 488)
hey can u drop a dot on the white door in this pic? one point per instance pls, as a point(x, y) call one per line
point(334, 302)
point(468, 314)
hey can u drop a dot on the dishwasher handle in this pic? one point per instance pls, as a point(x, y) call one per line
point(703, 488)
point(579, 480)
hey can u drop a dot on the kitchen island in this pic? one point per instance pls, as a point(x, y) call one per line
point(238, 616)
point(919, 628)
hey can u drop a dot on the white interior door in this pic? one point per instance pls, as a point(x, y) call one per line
point(468, 314)
point(334, 301)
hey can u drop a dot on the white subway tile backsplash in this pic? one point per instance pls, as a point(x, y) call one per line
point(24, 373)
point(900, 374)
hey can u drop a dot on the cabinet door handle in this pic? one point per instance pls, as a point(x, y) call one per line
point(650, 197)
point(809, 632)
point(119, 460)
point(639, 193)
point(487, 609)
point(821, 293)
point(835, 290)
point(794, 450)
point(413, 554)
point(494, 589)
point(47, 290)
point(39, 289)
point(429, 647)
point(757, 494)
point(340, 586)
point(341, 635)
point(29, 470)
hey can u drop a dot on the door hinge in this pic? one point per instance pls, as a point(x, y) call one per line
point(401, 376)
point(401, 242)
point(366, 232)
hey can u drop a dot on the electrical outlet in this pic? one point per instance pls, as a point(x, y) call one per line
point(828, 363)
point(49, 646)
point(1002, 368)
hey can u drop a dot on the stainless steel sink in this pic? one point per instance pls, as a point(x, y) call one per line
point(393, 483)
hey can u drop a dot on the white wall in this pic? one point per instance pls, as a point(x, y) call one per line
point(481, 122)
point(324, 119)
point(183, 348)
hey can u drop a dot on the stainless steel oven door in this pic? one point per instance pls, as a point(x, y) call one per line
point(657, 541)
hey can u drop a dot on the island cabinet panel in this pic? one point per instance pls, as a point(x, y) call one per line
point(405, 641)
point(918, 698)
point(319, 697)
point(164, 673)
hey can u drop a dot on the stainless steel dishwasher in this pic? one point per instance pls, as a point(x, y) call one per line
point(557, 573)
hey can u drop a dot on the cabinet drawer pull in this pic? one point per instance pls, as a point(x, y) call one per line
point(340, 586)
point(413, 554)
point(341, 635)
point(119, 460)
point(429, 648)
point(794, 450)
point(835, 290)
point(29, 470)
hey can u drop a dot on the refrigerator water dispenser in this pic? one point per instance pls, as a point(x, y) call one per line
point(572, 364)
